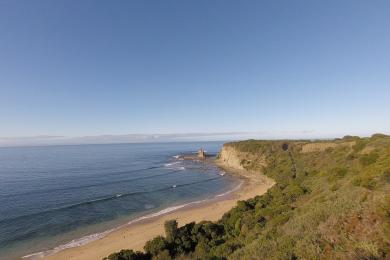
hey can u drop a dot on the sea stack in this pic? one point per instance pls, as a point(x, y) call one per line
point(201, 153)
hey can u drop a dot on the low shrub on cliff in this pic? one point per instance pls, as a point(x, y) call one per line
point(128, 255)
point(331, 204)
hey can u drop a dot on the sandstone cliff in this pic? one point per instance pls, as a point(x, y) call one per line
point(232, 157)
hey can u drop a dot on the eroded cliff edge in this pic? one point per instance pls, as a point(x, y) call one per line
point(331, 201)
point(231, 156)
point(244, 164)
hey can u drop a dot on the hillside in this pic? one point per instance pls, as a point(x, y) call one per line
point(331, 200)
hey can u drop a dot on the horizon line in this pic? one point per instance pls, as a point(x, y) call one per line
point(53, 140)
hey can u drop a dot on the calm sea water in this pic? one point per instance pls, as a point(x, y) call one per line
point(52, 196)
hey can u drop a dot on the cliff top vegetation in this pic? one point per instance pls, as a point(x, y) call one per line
point(331, 201)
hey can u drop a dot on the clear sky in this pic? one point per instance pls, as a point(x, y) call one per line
point(77, 68)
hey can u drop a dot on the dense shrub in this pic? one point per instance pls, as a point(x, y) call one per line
point(337, 207)
point(128, 255)
point(386, 175)
point(360, 144)
point(366, 182)
point(368, 159)
point(156, 245)
point(337, 173)
point(170, 228)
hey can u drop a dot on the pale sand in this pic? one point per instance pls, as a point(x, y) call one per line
point(135, 235)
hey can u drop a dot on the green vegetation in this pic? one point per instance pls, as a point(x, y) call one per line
point(333, 203)
point(128, 255)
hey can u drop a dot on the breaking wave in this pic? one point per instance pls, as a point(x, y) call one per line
point(92, 237)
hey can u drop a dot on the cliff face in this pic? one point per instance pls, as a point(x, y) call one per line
point(230, 157)
point(330, 195)
point(235, 158)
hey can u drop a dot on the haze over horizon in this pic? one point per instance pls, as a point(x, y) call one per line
point(198, 70)
point(44, 140)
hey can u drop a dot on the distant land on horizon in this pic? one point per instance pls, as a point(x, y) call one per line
point(43, 140)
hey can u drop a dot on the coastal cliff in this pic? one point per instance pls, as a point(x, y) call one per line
point(330, 201)
point(231, 156)
point(338, 189)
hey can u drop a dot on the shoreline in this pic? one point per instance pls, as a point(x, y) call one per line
point(137, 232)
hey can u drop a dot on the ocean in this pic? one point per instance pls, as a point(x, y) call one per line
point(55, 197)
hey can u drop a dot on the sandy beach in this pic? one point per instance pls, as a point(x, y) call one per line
point(134, 236)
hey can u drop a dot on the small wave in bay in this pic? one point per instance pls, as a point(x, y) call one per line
point(92, 237)
point(65, 192)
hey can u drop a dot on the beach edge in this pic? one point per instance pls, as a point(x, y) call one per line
point(135, 234)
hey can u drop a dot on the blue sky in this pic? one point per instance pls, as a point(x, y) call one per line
point(277, 68)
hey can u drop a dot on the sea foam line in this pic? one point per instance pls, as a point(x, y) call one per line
point(230, 191)
point(96, 236)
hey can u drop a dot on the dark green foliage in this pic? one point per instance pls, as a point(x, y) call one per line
point(379, 136)
point(128, 255)
point(337, 173)
point(186, 239)
point(335, 187)
point(386, 175)
point(336, 207)
point(163, 255)
point(360, 144)
point(365, 181)
point(245, 163)
point(156, 245)
point(368, 159)
point(350, 138)
point(170, 228)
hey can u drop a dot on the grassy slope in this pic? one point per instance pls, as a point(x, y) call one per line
point(336, 207)
point(331, 202)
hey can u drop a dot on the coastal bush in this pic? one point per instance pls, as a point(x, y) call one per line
point(360, 144)
point(163, 255)
point(368, 159)
point(366, 182)
point(337, 173)
point(351, 137)
point(156, 245)
point(337, 207)
point(386, 175)
point(379, 136)
point(170, 228)
point(128, 255)
point(335, 187)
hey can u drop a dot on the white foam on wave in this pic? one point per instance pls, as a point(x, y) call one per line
point(174, 166)
point(148, 206)
point(171, 164)
point(96, 236)
point(166, 210)
point(89, 238)
point(74, 243)
point(230, 191)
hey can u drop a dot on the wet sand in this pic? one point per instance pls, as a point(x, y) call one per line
point(134, 236)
